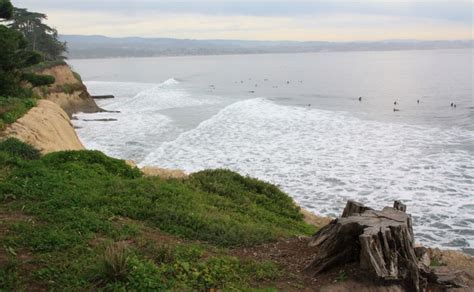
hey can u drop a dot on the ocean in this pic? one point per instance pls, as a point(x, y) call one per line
point(296, 120)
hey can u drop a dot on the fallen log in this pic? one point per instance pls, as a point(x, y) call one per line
point(102, 96)
point(381, 241)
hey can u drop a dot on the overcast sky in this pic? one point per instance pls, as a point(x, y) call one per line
point(329, 20)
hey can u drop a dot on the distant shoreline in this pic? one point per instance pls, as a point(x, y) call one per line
point(96, 46)
point(266, 53)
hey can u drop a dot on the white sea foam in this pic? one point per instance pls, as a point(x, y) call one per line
point(137, 126)
point(120, 89)
point(323, 158)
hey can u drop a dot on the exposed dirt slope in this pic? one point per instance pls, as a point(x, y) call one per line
point(68, 91)
point(47, 127)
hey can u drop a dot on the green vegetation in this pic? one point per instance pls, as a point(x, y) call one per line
point(342, 276)
point(70, 88)
point(45, 65)
point(11, 59)
point(12, 108)
point(40, 37)
point(436, 263)
point(93, 222)
point(15, 54)
point(14, 148)
point(77, 76)
point(38, 80)
point(26, 42)
point(6, 9)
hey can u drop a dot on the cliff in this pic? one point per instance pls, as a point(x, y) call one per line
point(68, 91)
point(46, 127)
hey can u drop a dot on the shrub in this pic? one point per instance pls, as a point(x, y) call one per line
point(80, 201)
point(9, 277)
point(17, 148)
point(77, 76)
point(12, 108)
point(6, 9)
point(115, 263)
point(89, 159)
point(45, 91)
point(69, 88)
point(46, 65)
point(38, 80)
point(31, 58)
point(245, 189)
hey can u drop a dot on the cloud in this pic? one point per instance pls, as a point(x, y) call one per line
point(261, 19)
point(453, 10)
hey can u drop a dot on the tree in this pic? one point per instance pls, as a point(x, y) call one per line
point(10, 43)
point(14, 55)
point(6, 9)
point(40, 37)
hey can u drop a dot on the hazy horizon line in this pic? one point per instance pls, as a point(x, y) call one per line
point(261, 40)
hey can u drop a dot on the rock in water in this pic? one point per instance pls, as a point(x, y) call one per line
point(381, 241)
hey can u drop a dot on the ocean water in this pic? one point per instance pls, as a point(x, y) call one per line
point(295, 120)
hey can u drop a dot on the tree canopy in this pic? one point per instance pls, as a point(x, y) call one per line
point(6, 9)
point(15, 54)
point(40, 37)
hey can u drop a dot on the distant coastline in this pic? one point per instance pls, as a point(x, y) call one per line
point(99, 47)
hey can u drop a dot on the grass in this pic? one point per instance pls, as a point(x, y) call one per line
point(342, 276)
point(12, 108)
point(69, 88)
point(44, 65)
point(14, 148)
point(86, 206)
point(436, 263)
point(77, 76)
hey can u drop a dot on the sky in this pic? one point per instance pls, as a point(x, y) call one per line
point(297, 20)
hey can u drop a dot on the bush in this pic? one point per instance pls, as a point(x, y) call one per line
point(46, 65)
point(69, 88)
point(30, 58)
point(80, 202)
point(17, 148)
point(90, 159)
point(77, 76)
point(9, 276)
point(13, 108)
point(38, 80)
point(6, 9)
point(245, 189)
point(115, 263)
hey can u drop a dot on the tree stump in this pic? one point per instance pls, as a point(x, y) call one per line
point(381, 241)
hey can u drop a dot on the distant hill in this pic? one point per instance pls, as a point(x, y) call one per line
point(105, 47)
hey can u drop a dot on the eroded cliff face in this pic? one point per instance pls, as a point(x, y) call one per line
point(68, 91)
point(47, 127)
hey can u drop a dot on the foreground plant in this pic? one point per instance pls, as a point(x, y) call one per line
point(88, 221)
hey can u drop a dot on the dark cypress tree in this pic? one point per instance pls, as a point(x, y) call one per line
point(40, 37)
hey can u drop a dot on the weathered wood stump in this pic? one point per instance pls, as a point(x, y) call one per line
point(381, 241)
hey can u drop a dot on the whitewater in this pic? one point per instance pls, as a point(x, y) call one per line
point(322, 150)
point(321, 158)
